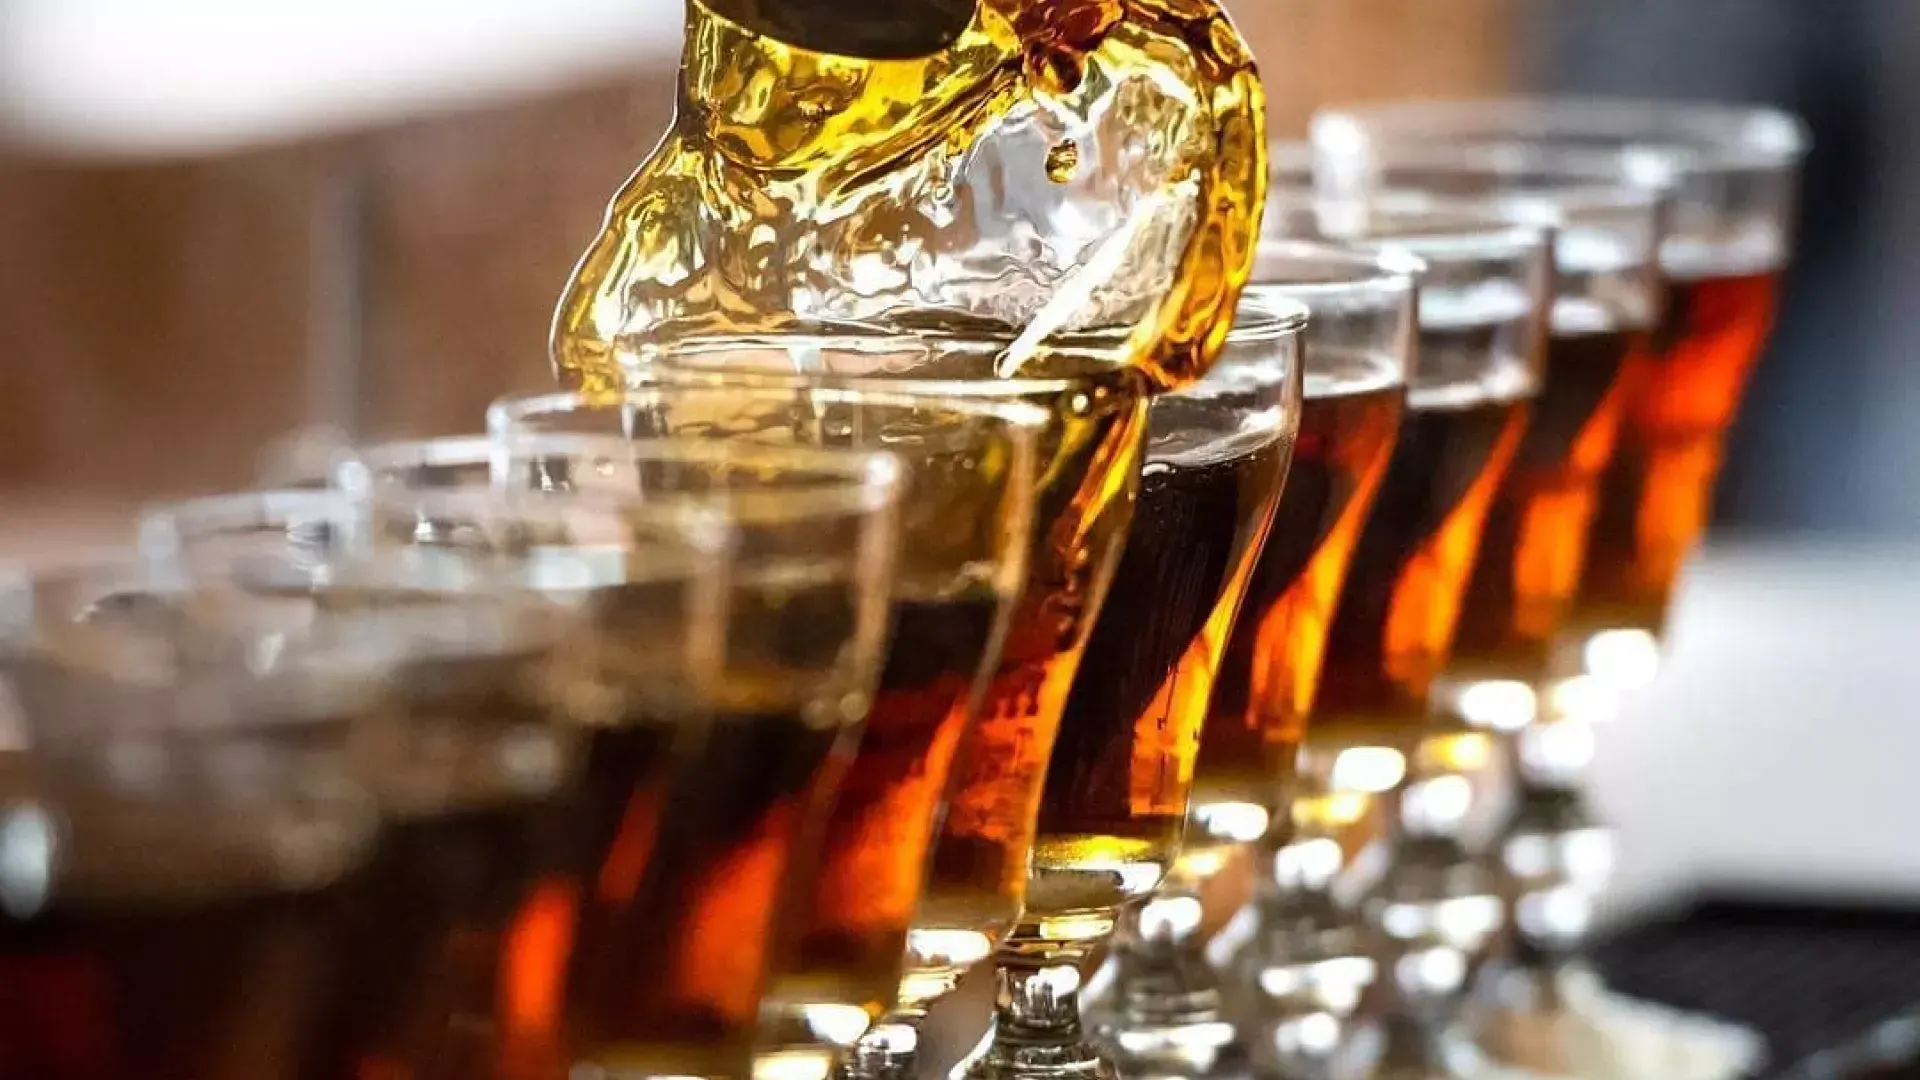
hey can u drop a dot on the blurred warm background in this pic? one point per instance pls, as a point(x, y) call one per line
point(223, 220)
point(374, 237)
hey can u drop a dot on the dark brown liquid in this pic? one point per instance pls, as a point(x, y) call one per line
point(1533, 547)
point(537, 895)
point(147, 960)
point(844, 934)
point(875, 29)
point(1393, 625)
point(227, 987)
point(676, 923)
point(1658, 492)
point(1117, 785)
point(1271, 669)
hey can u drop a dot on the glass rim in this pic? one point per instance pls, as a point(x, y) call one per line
point(161, 524)
point(1467, 227)
point(27, 629)
point(995, 388)
point(1375, 268)
point(1275, 318)
point(1019, 416)
point(674, 531)
point(1443, 245)
point(1567, 187)
point(1715, 136)
point(863, 481)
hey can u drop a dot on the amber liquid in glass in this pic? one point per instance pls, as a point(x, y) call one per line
point(1115, 800)
point(1394, 623)
point(1089, 467)
point(845, 930)
point(1271, 667)
point(1656, 496)
point(403, 963)
point(1533, 547)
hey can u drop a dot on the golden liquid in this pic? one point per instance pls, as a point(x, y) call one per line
point(1393, 628)
point(847, 915)
point(822, 171)
point(1088, 472)
point(1533, 547)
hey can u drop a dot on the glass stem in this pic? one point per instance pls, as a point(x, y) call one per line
point(1163, 1012)
point(1298, 967)
point(1552, 854)
point(1551, 857)
point(1038, 1033)
point(1431, 914)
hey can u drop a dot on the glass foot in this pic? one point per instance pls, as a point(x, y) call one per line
point(888, 1051)
point(1523, 1025)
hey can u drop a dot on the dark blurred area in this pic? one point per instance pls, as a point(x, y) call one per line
point(1826, 440)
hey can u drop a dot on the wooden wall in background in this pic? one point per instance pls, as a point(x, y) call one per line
point(1314, 52)
point(151, 319)
point(156, 320)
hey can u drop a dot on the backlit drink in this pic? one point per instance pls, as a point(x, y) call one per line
point(1115, 801)
point(1395, 618)
point(1657, 495)
point(1271, 668)
point(1533, 551)
point(1729, 175)
point(1088, 470)
point(1466, 412)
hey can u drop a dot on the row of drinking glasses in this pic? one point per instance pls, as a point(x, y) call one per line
point(1599, 278)
point(691, 729)
point(680, 731)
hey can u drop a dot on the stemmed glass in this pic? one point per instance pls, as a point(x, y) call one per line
point(1165, 1007)
point(1606, 298)
point(784, 711)
point(644, 941)
point(1482, 316)
point(966, 523)
point(224, 869)
point(1730, 174)
point(1607, 291)
point(1089, 471)
point(981, 858)
point(1114, 803)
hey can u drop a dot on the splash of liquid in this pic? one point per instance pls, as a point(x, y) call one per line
point(1060, 169)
